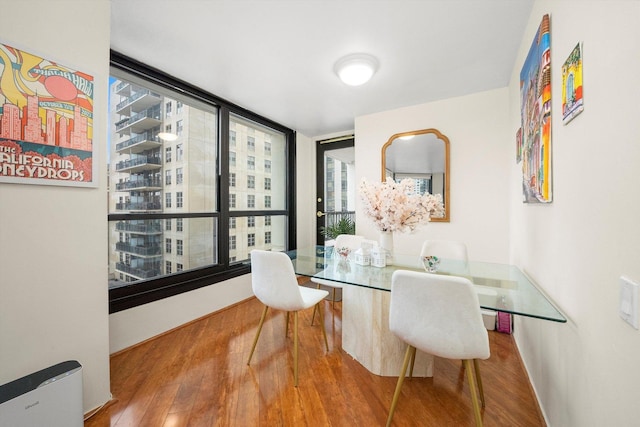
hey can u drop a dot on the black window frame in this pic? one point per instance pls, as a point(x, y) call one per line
point(147, 291)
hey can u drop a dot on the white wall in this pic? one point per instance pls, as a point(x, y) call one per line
point(586, 371)
point(477, 131)
point(53, 240)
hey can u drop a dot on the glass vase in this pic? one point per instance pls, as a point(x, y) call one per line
point(386, 243)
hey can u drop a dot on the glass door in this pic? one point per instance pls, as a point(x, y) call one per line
point(336, 188)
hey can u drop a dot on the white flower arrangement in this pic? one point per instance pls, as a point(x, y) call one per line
point(394, 206)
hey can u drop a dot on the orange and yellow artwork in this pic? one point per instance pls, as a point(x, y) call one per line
point(46, 121)
point(572, 102)
point(535, 114)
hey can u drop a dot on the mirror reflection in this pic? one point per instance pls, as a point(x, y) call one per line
point(422, 155)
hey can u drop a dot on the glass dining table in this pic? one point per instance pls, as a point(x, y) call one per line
point(500, 287)
point(366, 294)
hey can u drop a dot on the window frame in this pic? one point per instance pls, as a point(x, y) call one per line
point(147, 291)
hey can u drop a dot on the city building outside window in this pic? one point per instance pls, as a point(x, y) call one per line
point(137, 213)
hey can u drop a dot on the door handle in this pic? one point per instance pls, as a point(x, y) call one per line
point(320, 214)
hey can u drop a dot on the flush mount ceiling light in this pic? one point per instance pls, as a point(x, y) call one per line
point(356, 69)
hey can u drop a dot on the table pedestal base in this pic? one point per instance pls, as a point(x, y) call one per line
point(367, 338)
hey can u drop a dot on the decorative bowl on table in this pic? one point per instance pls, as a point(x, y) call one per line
point(343, 253)
point(430, 263)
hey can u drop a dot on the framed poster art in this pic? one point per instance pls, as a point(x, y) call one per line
point(46, 121)
point(535, 114)
point(572, 102)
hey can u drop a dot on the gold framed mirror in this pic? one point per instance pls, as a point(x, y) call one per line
point(422, 155)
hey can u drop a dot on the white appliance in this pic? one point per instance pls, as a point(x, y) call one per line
point(51, 397)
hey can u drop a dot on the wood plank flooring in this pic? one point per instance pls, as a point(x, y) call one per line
point(197, 375)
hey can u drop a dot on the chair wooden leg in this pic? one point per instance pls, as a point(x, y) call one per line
point(476, 366)
point(410, 350)
point(333, 303)
point(413, 361)
point(295, 349)
point(313, 316)
point(286, 326)
point(324, 332)
point(474, 396)
point(255, 340)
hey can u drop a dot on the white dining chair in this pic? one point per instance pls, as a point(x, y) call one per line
point(275, 284)
point(350, 241)
point(439, 315)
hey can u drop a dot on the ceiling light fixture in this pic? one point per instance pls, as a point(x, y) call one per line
point(356, 69)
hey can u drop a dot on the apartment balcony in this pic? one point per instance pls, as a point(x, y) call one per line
point(151, 250)
point(139, 101)
point(143, 272)
point(147, 184)
point(140, 122)
point(140, 143)
point(124, 89)
point(139, 164)
point(139, 206)
point(140, 227)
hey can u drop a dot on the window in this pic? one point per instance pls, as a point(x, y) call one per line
point(251, 221)
point(251, 201)
point(232, 242)
point(267, 220)
point(267, 165)
point(267, 148)
point(267, 237)
point(267, 201)
point(144, 266)
point(267, 183)
point(251, 181)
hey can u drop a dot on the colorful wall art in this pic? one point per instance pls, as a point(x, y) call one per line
point(46, 121)
point(572, 103)
point(535, 113)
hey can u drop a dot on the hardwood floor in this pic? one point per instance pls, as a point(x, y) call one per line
point(197, 375)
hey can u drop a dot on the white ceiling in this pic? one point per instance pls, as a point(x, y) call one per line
point(276, 57)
